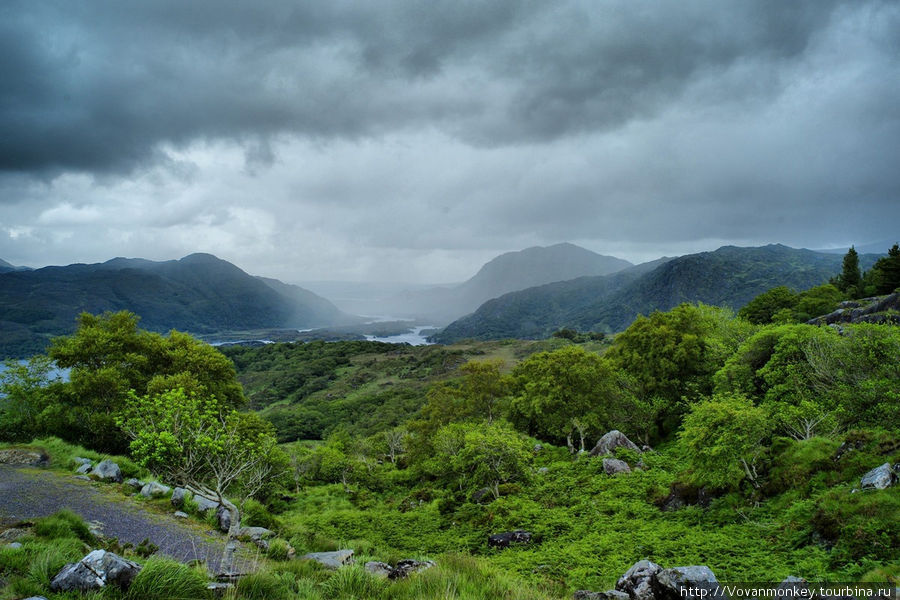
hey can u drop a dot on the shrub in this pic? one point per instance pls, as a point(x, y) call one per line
point(166, 579)
point(278, 549)
point(256, 515)
point(353, 582)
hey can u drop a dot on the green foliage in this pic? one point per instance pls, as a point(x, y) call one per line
point(264, 586)
point(884, 276)
point(165, 579)
point(63, 524)
point(26, 390)
point(569, 390)
point(278, 549)
point(762, 309)
point(850, 279)
point(721, 440)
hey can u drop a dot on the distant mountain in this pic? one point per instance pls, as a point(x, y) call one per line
point(866, 248)
point(730, 276)
point(5, 267)
point(506, 273)
point(199, 293)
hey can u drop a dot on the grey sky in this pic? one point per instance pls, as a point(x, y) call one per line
point(414, 141)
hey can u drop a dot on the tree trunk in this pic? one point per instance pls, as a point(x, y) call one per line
point(569, 443)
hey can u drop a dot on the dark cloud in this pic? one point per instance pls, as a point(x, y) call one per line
point(103, 86)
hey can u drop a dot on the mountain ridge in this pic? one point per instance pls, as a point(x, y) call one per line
point(199, 293)
point(729, 276)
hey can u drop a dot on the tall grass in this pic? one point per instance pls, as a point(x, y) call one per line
point(166, 579)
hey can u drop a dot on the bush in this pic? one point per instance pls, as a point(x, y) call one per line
point(278, 549)
point(256, 515)
point(166, 579)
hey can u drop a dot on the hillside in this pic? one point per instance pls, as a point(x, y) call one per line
point(729, 276)
point(199, 293)
point(508, 272)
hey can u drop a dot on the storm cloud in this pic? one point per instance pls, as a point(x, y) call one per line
point(397, 139)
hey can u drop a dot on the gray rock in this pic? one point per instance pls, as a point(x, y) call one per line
point(96, 570)
point(879, 478)
point(219, 589)
point(612, 440)
point(223, 516)
point(253, 534)
point(503, 540)
point(35, 598)
point(14, 545)
point(178, 496)
point(638, 581)
point(82, 477)
point(331, 560)
point(378, 569)
point(78, 460)
point(204, 504)
point(407, 567)
point(12, 534)
point(180, 514)
point(22, 456)
point(607, 595)
point(155, 490)
point(135, 484)
point(671, 584)
point(612, 466)
point(84, 469)
point(107, 470)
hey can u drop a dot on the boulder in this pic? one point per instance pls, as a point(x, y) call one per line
point(96, 570)
point(638, 581)
point(35, 598)
point(879, 478)
point(178, 496)
point(331, 560)
point(22, 456)
point(135, 484)
point(407, 567)
point(503, 540)
point(607, 595)
point(204, 504)
point(155, 490)
point(613, 466)
point(180, 514)
point(14, 546)
point(612, 440)
point(223, 517)
point(107, 470)
point(378, 569)
point(84, 468)
point(78, 460)
point(252, 534)
point(678, 583)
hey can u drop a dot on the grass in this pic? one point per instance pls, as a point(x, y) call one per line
point(166, 579)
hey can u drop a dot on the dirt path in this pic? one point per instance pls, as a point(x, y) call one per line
point(27, 493)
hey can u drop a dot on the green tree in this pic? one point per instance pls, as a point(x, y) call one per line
point(482, 455)
point(850, 278)
point(762, 309)
point(817, 301)
point(202, 444)
point(109, 355)
point(722, 439)
point(25, 392)
point(568, 391)
point(884, 276)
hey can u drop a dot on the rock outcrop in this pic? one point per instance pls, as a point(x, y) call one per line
point(646, 580)
point(607, 444)
point(96, 570)
point(613, 466)
point(878, 309)
point(638, 581)
point(879, 478)
point(107, 470)
point(331, 560)
point(503, 540)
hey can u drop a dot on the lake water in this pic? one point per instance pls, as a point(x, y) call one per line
point(413, 338)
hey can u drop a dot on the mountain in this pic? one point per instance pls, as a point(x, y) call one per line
point(6, 267)
point(505, 273)
point(729, 276)
point(199, 293)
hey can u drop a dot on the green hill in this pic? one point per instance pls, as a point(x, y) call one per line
point(199, 293)
point(729, 276)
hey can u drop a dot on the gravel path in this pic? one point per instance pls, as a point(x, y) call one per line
point(27, 493)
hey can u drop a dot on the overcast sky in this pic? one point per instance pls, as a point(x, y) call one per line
point(413, 141)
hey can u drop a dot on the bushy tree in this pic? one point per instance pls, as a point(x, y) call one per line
point(568, 391)
point(850, 278)
point(196, 441)
point(26, 390)
point(109, 355)
point(762, 309)
point(721, 440)
point(481, 455)
point(884, 276)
